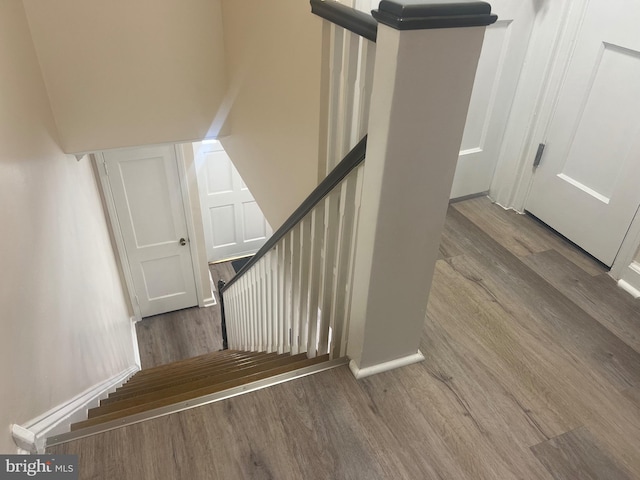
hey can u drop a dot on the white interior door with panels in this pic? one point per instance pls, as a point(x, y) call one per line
point(503, 54)
point(234, 225)
point(147, 195)
point(586, 186)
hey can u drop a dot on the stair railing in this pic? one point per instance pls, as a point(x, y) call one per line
point(348, 57)
point(294, 294)
point(323, 275)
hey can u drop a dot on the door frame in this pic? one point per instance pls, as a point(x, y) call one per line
point(534, 106)
point(98, 159)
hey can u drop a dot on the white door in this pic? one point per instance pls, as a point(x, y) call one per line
point(234, 225)
point(146, 190)
point(503, 53)
point(587, 185)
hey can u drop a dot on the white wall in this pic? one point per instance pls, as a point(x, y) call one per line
point(273, 64)
point(122, 73)
point(65, 324)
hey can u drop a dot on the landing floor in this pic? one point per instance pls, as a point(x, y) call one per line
point(185, 333)
point(532, 371)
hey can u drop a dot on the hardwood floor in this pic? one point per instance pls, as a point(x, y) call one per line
point(532, 371)
point(183, 334)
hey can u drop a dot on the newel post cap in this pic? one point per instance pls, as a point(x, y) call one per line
point(421, 14)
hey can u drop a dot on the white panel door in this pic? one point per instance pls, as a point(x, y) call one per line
point(234, 225)
point(145, 186)
point(503, 53)
point(587, 184)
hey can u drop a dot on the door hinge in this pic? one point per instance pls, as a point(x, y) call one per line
point(536, 161)
point(135, 297)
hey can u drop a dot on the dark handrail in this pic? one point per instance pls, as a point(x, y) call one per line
point(223, 318)
point(353, 20)
point(348, 163)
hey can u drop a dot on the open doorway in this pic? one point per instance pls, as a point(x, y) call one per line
point(234, 225)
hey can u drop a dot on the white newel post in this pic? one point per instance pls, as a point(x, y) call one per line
point(426, 59)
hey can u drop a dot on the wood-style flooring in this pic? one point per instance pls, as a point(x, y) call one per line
point(183, 334)
point(532, 371)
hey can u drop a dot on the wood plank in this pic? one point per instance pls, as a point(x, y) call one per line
point(178, 335)
point(188, 395)
point(180, 378)
point(521, 234)
point(208, 360)
point(519, 289)
point(584, 362)
point(577, 455)
point(183, 334)
point(440, 433)
point(196, 383)
point(633, 395)
point(521, 359)
point(513, 359)
point(599, 296)
point(323, 435)
point(448, 246)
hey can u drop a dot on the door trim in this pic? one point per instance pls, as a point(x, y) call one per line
point(98, 159)
point(537, 93)
point(513, 177)
point(191, 231)
point(628, 249)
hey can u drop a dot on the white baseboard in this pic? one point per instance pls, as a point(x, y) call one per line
point(630, 279)
point(136, 347)
point(383, 367)
point(31, 436)
point(211, 301)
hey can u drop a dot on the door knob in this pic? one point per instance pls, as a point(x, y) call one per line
point(183, 242)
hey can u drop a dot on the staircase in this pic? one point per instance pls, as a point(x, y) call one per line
point(340, 281)
point(178, 382)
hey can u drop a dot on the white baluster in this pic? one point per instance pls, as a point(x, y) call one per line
point(288, 285)
point(305, 269)
point(246, 307)
point(332, 209)
point(296, 287)
point(315, 275)
point(280, 295)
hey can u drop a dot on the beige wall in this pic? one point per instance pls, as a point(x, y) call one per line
point(65, 323)
point(122, 73)
point(273, 65)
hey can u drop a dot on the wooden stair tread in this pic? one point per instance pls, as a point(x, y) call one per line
point(190, 395)
point(186, 361)
point(212, 357)
point(135, 385)
point(187, 377)
point(195, 384)
point(172, 369)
